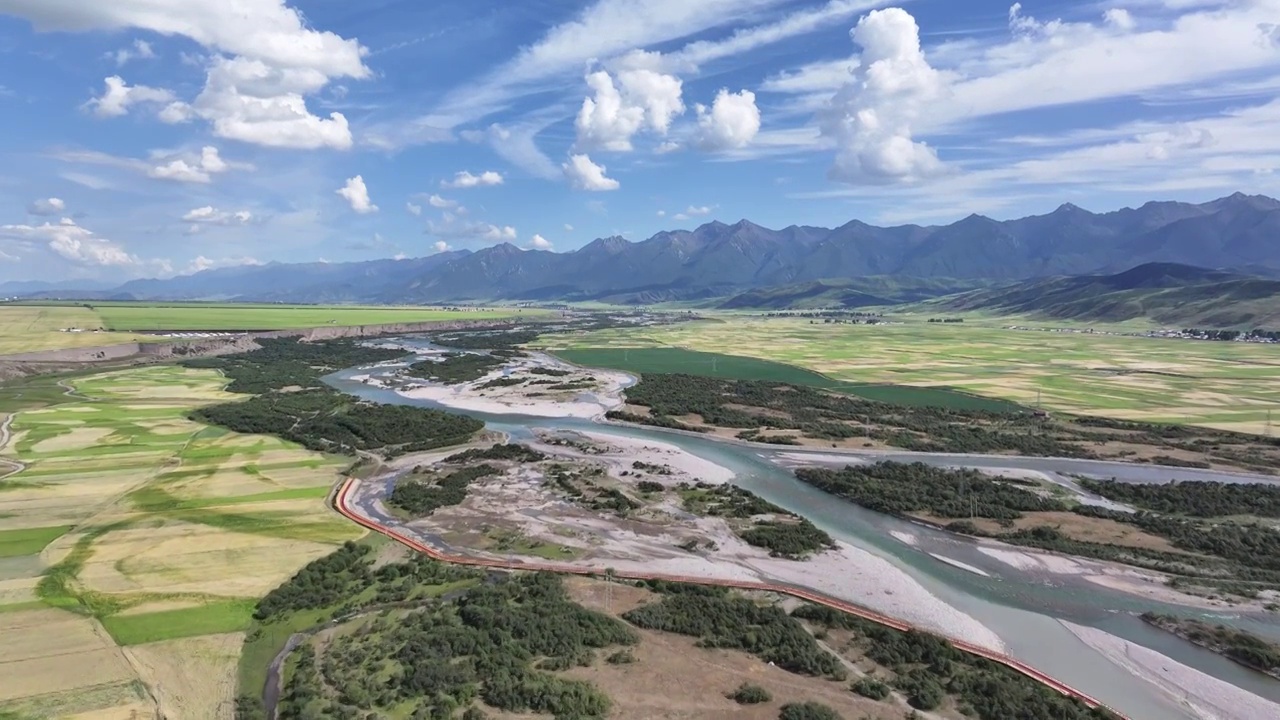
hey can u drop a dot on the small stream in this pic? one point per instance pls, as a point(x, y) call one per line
point(1022, 607)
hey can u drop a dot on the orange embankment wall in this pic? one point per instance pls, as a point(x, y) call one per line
point(340, 502)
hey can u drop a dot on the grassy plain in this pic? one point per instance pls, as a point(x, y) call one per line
point(1230, 386)
point(132, 520)
point(202, 316)
point(33, 327)
point(26, 329)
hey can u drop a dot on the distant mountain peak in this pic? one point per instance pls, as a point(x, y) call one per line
point(611, 244)
point(1234, 231)
point(504, 248)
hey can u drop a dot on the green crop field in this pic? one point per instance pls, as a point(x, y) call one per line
point(32, 327)
point(643, 360)
point(199, 316)
point(209, 619)
point(1233, 386)
point(29, 541)
point(26, 329)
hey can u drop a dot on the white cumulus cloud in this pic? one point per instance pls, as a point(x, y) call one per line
point(642, 98)
point(465, 179)
point(540, 243)
point(451, 228)
point(690, 212)
point(870, 119)
point(732, 121)
point(413, 209)
point(119, 96)
point(1119, 18)
point(264, 58)
point(72, 242)
point(140, 50)
point(356, 193)
point(210, 215)
point(441, 246)
point(438, 202)
point(586, 175)
point(46, 206)
point(191, 169)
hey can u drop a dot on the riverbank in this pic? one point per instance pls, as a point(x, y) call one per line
point(1206, 696)
point(1024, 521)
point(1251, 651)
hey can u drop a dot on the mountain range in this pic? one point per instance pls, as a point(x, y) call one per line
point(718, 260)
point(1168, 293)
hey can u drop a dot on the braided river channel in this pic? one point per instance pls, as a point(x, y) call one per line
point(1024, 607)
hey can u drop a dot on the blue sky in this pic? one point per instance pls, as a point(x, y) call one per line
point(156, 137)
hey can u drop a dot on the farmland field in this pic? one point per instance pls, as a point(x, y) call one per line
point(197, 316)
point(1230, 386)
point(29, 329)
point(127, 522)
point(34, 327)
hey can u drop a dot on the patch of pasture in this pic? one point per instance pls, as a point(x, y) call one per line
point(29, 541)
point(1211, 383)
point(208, 619)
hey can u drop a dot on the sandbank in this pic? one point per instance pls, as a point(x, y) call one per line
point(1205, 695)
point(531, 400)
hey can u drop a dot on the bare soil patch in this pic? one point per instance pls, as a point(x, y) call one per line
point(673, 678)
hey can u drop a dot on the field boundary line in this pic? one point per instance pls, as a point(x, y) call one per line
point(348, 485)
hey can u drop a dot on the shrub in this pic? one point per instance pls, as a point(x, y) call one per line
point(871, 688)
point(748, 694)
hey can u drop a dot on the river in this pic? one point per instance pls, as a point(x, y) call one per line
point(1022, 607)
